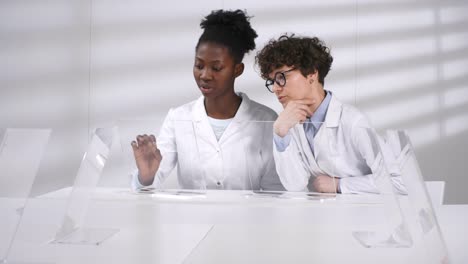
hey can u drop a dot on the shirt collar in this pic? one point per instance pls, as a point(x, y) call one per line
point(319, 115)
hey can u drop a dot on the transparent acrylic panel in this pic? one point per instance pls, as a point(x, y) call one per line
point(21, 151)
point(239, 158)
point(72, 230)
point(292, 167)
point(311, 216)
point(421, 216)
point(230, 159)
point(395, 231)
point(127, 132)
point(176, 143)
point(256, 217)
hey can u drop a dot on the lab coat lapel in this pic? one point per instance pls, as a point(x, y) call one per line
point(201, 124)
point(241, 119)
point(302, 139)
point(326, 141)
point(312, 162)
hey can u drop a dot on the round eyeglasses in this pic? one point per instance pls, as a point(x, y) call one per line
point(280, 79)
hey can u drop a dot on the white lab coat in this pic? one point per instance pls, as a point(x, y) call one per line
point(341, 148)
point(242, 159)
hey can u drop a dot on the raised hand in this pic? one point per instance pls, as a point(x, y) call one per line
point(147, 157)
point(296, 111)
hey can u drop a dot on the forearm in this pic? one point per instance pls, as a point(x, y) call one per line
point(358, 184)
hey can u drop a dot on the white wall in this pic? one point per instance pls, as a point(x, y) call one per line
point(79, 65)
point(44, 68)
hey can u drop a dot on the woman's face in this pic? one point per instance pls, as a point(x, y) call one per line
point(215, 70)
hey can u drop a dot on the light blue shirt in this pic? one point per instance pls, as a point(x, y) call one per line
point(311, 126)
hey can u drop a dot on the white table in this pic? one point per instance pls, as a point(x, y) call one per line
point(223, 227)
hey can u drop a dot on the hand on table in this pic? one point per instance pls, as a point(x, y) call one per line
point(326, 184)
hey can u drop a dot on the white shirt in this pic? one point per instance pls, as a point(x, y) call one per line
point(341, 149)
point(241, 159)
point(219, 125)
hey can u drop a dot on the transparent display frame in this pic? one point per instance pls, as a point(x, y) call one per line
point(205, 154)
point(21, 153)
point(395, 231)
point(73, 229)
point(421, 217)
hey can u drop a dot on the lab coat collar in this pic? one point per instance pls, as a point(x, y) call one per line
point(243, 110)
point(200, 117)
point(240, 119)
point(332, 119)
point(199, 111)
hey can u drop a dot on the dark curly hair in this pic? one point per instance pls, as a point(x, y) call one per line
point(231, 29)
point(304, 53)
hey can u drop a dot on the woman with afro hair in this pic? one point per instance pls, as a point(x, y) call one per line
point(321, 144)
point(218, 147)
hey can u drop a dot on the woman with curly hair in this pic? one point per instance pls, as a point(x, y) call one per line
point(216, 150)
point(314, 121)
